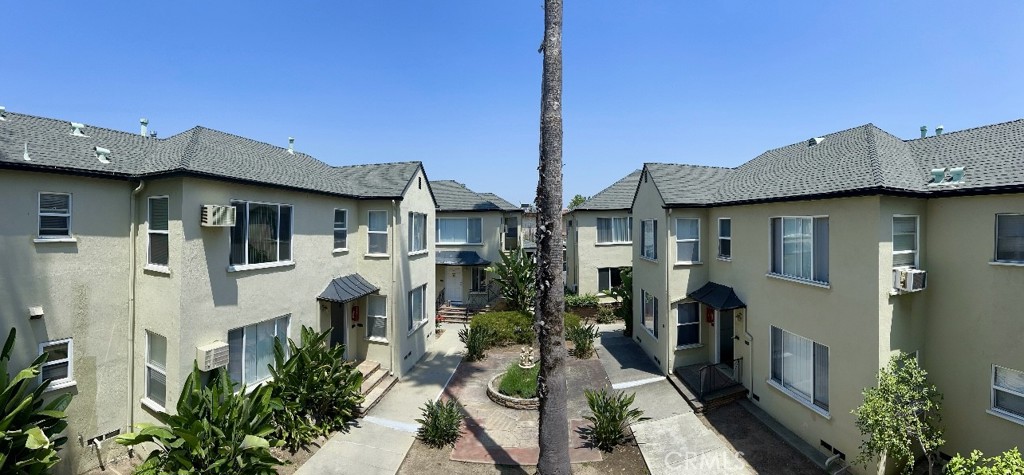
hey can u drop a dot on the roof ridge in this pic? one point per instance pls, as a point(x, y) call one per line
point(688, 165)
point(283, 149)
point(970, 129)
point(190, 148)
point(876, 162)
point(609, 187)
point(358, 165)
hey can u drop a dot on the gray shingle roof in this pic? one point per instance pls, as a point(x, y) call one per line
point(454, 196)
point(992, 156)
point(687, 185)
point(618, 196)
point(199, 151)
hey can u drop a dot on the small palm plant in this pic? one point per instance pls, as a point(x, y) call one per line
point(29, 426)
point(441, 424)
point(582, 338)
point(612, 414)
point(517, 274)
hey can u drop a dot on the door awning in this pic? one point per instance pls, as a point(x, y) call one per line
point(717, 296)
point(348, 288)
point(460, 258)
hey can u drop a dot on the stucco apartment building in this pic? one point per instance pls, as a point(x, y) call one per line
point(599, 238)
point(473, 229)
point(801, 272)
point(128, 258)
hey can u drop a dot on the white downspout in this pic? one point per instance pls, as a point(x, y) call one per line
point(132, 257)
point(668, 292)
point(394, 280)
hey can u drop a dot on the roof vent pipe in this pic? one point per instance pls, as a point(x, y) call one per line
point(76, 129)
point(291, 145)
point(924, 131)
point(938, 130)
point(144, 122)
point(3, 112)
point(25, 156)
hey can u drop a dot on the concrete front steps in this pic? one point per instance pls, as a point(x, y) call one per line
point(376, 383)
point(685, 382)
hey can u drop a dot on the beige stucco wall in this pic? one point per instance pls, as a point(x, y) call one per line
point(974, 319)
point(586, 256)
point(82, 287)
point(651, 276)
point(412, 271)
point(492, 236)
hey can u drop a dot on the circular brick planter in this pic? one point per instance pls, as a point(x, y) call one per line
point(509, 401)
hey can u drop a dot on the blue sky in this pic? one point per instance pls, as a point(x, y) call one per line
point(456, 84)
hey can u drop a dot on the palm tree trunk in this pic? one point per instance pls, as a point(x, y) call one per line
point(550, 319)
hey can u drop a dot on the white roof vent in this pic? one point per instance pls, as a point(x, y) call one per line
point(956, 175)
point(102, 154)
point(3, 113)
point(815, 141)
point(76, 129)
point(938, 176)
point(291, 145)
point(25, 156)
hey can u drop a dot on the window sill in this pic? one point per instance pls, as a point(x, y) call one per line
point(812, 283)
point(1005, 415)
point(152, 405)
point(688, 263)
point(418, 253)
point(157, 269)
point(56, 385)
point(376, 339)
point(690, 347)
point(265, 265)
point(1006, 263)
point(55, 239)
point(459, 244)
point(623, 243)
point(649, 259)
point(821, 412)
point(340, 250)
point(725, 259)
point(417, 326)
point(376, 255)
point(650, 332)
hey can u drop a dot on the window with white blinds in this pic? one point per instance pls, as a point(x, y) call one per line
point(1008, 392)
point(1010, 238)
point(417, 306)
point(377, 232)
point(377, 317)
point(58, 367)
point(251, 349)
point(800, 247)
point(800, 367)
point(614, 230)
point(417, 232)
point(156, 368)
point(340, 229)
point(54, 215)
point(687, 240)
point(157, 224)
point(459, 231)
point(904, 241)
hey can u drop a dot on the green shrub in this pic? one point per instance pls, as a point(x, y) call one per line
point(319, 391)
point(520, 382)
point(28, 426)
point(611, 416)
point(624, 295)
point(477, 341)
point(441, 423)
point(514, 328)
point(215, 431)
point(582, 338)
point(1007, 463)
point(517, 275)
point(581, 301)
point(605, 314)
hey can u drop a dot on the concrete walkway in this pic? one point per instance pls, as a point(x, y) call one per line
point(631, 370)
point(377, 444)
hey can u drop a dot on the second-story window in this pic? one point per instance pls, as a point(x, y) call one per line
point(54, 215)
point(158, 231)
point(511, 233)
point(1010, 238)
point(614, 230)
point(459, 231)
point(904, 241)
point(377, 232)
point(724, 238)
point(340, 229)
point(800, 247)
point(648, 244)
point(417, 232)
point(687, 240)
point(262, 233)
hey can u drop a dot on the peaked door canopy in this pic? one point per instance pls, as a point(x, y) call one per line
point(717, 296)
point(348, 288)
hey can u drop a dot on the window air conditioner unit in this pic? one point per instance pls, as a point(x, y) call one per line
point(905, 279)
point(218, 216)
point(212, 356)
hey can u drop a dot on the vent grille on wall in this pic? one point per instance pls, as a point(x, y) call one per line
point(217, 216)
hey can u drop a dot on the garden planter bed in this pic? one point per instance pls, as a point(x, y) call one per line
point(509, 401)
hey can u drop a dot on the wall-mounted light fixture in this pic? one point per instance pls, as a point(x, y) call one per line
point(35, 312)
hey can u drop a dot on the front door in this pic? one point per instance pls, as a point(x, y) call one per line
point(725, 337)
point(453, 284)
point(338, 323)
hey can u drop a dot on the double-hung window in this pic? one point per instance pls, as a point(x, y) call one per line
point(1010, 238)
point(687, 324)
point(262, 233)
point(156, 368)
point(904, 241)
point(58, 367)
point(648, 242)
point(608, 278)
point(158, 231)
point(800, 248)
point(417, 307)
point(479, 282)
point(650, 312)
point(251, 349)
point(377, 317)
point(54, 215)
point(340, 229)
point(614, 230)
point(725, 238)
point(1008, 392)
point(687, 240)
point(377, 232)
point(459, 231)
point(800, 367)
point(417, 232)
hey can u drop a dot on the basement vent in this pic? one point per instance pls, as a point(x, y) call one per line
point(815, 141)
point(77, 129)
point(102, 154)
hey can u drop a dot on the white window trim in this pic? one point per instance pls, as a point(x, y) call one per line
point(679, 240)
point(995, 242)
point(417, 324)
point(165, 269)
point(613, 242)
point(62, 382)
point(145, 393)
point(643, 243)
point(720, 238)
point(412, 229)
point(39, 218)
point(917, 239)
point(288, 334)
point(643, 312)
point(610, 286)
point(387, 323)
point(370, 232)
point(335, 227)
point(264, 265)
point(793, 394)
point(700, 333)
point(996, 411)
point(462, 243)
point(791, 278)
